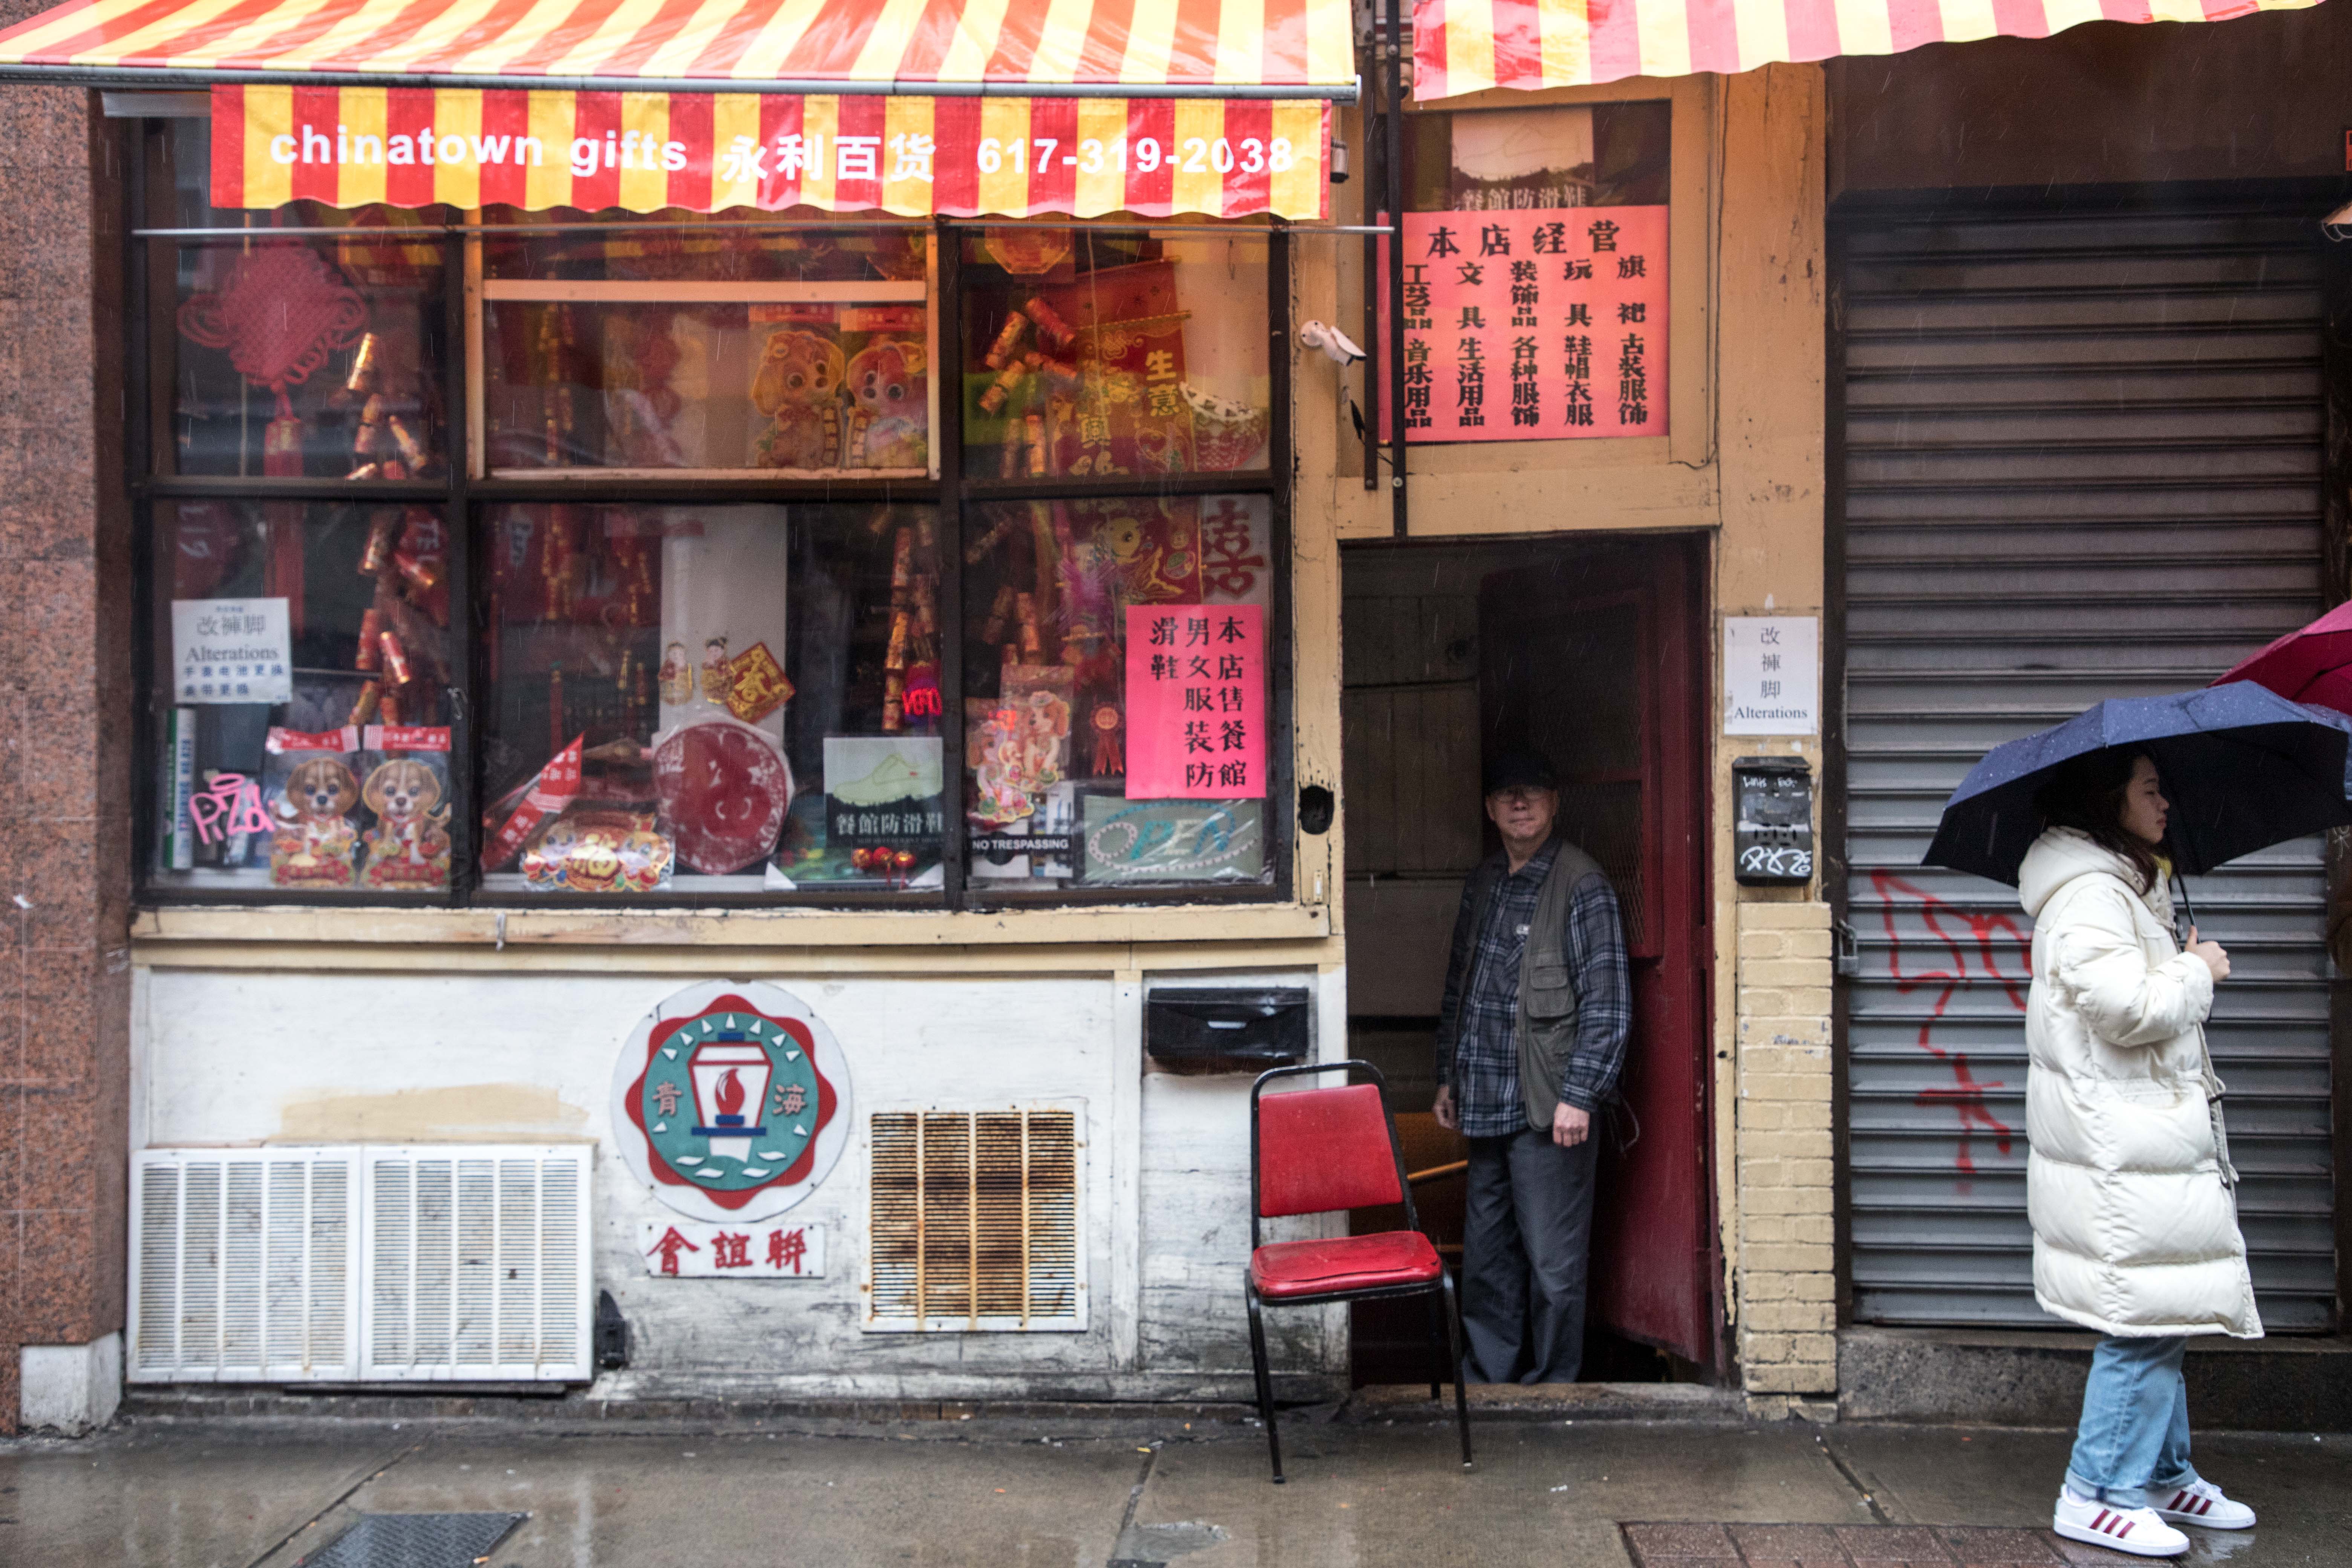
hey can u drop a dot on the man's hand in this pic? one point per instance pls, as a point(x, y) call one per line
point(1570, 1126)
point(1444, 1110)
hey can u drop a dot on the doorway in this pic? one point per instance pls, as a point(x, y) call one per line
point(1592, 652)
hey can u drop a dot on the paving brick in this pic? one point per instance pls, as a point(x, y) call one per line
point(1667, 1544)
point(1787, 1542)
point(1883, 1545)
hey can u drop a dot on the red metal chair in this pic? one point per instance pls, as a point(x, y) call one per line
point(1315, 1151)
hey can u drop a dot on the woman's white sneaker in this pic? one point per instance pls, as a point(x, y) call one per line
point(2134, 1530)
point(2199, 1502)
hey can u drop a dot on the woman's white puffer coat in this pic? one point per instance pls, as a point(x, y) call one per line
point(2128, 1180)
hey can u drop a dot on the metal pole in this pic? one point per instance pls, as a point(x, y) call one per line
point(1392, 88)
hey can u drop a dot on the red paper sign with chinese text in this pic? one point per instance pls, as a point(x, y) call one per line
point(1195, 702)
point(1540, 325)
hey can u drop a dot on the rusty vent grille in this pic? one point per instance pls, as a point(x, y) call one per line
point(975, 1221)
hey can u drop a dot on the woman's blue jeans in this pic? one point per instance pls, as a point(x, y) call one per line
point(2135, 1432)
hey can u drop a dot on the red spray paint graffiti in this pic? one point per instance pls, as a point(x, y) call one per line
point(1966, 1092)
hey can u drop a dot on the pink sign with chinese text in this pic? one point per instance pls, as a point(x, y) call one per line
point(1195, 702)
point(1538, 325)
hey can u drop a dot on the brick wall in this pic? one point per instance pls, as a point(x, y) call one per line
point(65, 757)
point(1785, 1279)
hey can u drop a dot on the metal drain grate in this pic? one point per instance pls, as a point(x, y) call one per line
point(414, 1540)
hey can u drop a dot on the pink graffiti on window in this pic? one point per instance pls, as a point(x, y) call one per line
point(229, 803)
point(1965, 1094)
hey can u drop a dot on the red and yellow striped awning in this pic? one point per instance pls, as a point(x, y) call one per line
point(1469, 46)
point(1037, 48)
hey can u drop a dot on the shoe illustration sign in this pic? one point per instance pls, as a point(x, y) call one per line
point(730, 1100)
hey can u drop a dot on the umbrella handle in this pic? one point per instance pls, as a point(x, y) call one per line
point(2181, 882)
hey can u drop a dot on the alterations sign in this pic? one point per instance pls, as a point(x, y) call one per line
point(1771, 675)
point(1542, 324)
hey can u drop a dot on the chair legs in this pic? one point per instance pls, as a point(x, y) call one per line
point(1437, 1343)
point(1454, 1343)
point(1265, 1380)
point(1442, 1302)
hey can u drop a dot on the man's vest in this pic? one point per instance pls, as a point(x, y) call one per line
point(1547, 1021)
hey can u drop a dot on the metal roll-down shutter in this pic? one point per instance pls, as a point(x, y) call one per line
point(2082, 458)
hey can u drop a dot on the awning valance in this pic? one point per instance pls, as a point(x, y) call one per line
point(708, 152)
point(1468, 46)
point(1033, 48)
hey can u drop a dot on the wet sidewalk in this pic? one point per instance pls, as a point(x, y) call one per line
point(1087, 1492)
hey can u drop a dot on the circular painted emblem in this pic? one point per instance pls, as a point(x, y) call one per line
point(731, 1100)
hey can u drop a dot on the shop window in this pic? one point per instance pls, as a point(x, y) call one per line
point(555, 557)
point(715, 353)
point(305, 672)
point(1095, 354)
point(1115, 692)
point(296, 358)
point(1536, 273)
point(713, 699)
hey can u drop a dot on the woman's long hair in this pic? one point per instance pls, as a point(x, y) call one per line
point(2086, 792)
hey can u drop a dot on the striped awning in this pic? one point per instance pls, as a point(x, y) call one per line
point(1469, 46)
point(1031, 49)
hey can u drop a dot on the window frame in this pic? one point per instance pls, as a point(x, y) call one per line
point(462, 495)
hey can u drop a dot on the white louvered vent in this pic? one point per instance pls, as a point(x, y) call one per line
point(476, 1264)
point(243, 1265)
point(975, 1221)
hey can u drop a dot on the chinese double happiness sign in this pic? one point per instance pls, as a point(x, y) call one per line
point(731, 1101)
point(1540, 324)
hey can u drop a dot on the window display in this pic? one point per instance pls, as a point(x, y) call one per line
point(305, 670)
point(1096, 353)
point(723, 698)
point(729, 354)
point(301, 358)
point(1085, 624)
point(675, 603)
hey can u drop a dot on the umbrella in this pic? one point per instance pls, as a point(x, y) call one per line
point(2313, 664)
point(2244, 767)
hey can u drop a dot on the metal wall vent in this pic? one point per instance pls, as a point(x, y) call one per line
point(975, 1222)
point(242, 1266)
point(348, 1264)
point(476, 1264)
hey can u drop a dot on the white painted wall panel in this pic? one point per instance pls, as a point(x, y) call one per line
point(237, 1057)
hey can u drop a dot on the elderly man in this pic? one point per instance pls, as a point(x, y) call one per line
point(1531, 1040)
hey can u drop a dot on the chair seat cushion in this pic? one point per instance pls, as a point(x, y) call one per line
point(1389, 1257)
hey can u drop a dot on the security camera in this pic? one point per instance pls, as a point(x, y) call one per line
point(1337, 346)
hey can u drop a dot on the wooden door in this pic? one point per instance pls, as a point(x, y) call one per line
point(1598, 662)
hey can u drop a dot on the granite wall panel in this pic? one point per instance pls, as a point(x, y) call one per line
point(66, 711)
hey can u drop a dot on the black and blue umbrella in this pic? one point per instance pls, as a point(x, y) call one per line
point(2244, 767)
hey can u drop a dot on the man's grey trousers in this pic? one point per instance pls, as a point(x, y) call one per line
point(1526, 1231)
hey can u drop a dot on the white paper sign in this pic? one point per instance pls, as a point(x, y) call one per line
point(696, 1249)
point(231, 650)
point(1771, 675)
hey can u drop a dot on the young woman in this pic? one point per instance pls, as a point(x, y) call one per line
point(2129, 1181)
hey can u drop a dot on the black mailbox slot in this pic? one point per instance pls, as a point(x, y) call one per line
point(1773, 821)
point(1225, 1030)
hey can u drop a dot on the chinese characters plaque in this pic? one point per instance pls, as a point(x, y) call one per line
point(1536, 325)
point(1195, 702)
point(776, 1249)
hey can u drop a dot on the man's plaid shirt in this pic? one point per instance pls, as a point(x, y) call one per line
point(1482, 988)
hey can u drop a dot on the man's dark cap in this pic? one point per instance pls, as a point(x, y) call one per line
point(1525, 768)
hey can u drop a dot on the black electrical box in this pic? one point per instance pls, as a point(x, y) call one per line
point(1772, 821)
point(1227, 1030)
